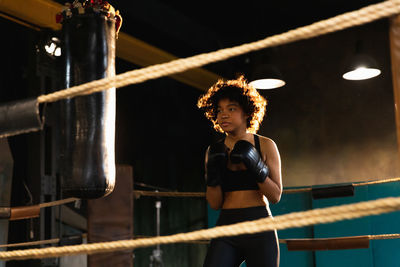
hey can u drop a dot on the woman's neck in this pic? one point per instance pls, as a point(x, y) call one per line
point(235, 136)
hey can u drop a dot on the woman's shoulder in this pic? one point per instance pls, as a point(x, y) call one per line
point(265, 139)
point(266, 142)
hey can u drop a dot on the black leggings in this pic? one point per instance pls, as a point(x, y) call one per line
point(258, 250)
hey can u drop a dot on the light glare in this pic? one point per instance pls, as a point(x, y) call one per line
point(57, 53)
point(361, 73)
point(53, 48)
point(267, 83)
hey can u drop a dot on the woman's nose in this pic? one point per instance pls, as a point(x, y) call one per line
point(224, 114)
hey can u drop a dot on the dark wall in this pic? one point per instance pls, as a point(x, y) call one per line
point(159, 132)
point(162, 134)
point(331, 130)
point(19, 81)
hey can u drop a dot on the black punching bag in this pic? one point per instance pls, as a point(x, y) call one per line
point(87, 164)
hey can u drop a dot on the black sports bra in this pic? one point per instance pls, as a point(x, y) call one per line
point(242, 179)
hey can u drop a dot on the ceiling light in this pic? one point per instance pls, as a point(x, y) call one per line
point(267, 83)
point(266, 76)
point(52, 47)
point(361, 73)
point(361, 67)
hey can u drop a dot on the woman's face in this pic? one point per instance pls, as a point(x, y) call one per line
point(230, 116)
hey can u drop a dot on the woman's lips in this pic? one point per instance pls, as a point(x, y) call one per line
point(225, 124)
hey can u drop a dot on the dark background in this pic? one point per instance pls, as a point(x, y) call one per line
point(328, 130)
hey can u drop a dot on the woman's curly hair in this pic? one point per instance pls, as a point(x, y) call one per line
point(252, 103)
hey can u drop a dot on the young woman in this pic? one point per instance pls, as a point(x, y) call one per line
point(243, 174)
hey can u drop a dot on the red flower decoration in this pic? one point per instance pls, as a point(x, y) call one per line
point(59, 17)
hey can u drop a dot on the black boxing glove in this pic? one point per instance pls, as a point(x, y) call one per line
point(245, 152)
point(216, 160)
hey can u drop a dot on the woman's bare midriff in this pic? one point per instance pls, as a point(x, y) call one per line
point(243, 199)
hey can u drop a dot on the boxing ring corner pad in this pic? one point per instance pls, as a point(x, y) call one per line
point(21, 116)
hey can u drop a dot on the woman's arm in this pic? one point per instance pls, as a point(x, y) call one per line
point(214, 197)
point(214, 194)
point(272, 186)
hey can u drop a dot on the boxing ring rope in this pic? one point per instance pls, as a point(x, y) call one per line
point(291, 220)
point(340, 22)
point(335, 243)
point(43, 242)
point(356, 184)
point(389, 180)
point(32, 243)
point(58, 240)
point(370, 237)
point(139, 193)
point(205, 242)
point(58, 202)
point(384, 236)
point(32, 211)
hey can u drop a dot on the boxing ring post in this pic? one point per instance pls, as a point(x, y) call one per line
point(21, 116)
point(394, 35)
point(111, 218)
point(6, 168)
